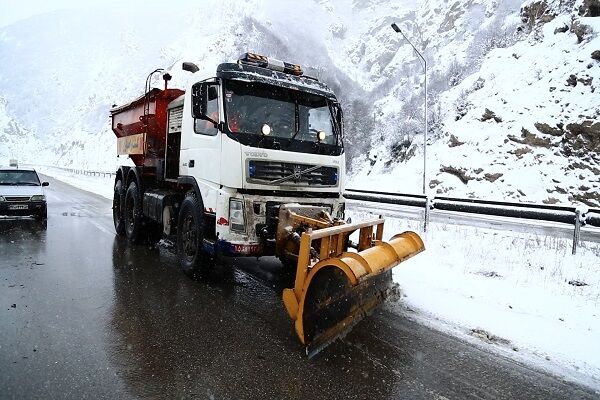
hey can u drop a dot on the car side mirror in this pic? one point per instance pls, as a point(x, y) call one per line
point(45, 184)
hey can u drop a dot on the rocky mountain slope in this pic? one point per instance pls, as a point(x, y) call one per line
point(512, 84)
point(517, 115)
point(12, 136)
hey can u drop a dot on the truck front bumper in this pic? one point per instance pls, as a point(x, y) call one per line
point(260, 223)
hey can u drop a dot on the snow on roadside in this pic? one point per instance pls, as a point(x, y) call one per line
point(99, 185)
point(515, 293)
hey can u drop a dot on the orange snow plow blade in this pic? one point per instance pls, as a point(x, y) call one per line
point(335, 288)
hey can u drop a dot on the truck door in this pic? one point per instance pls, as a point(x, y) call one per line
point(201, 144)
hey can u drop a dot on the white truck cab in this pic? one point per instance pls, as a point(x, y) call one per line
point(274, 138)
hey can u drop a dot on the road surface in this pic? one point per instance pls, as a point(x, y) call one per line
point(85, 315)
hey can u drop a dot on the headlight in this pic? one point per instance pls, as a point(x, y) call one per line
point(2, 198)
point(237, 220)
point(38, 197)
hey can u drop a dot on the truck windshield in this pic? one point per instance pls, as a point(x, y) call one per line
point(297, 121)
point(17, 177)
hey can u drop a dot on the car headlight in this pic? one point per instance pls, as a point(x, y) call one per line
point(2, 199)
point(237, 221)
point(38, 197)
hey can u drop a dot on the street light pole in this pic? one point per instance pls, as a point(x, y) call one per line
point(398, 30)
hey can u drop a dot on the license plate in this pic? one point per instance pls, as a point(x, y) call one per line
point(246, 248)
point(18, 207)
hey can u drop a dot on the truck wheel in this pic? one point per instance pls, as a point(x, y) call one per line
point(133, 213)
point(190, 236)
point(117, 211)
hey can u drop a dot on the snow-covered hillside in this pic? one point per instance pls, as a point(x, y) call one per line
point(12, 136)
point(61, 72)
point(514, 105)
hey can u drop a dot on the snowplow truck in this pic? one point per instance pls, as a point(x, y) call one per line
point(250, 162)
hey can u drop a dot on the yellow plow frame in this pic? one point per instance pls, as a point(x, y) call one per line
point(335, 288)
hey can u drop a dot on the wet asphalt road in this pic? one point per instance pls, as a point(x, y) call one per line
point(85, 315)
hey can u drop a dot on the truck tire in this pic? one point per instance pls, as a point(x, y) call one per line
point(132, 215)
point(190, 236)
point(117, 209)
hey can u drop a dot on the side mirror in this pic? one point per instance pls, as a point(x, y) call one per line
point(45, 184)
point(212, 93)
point(199, 100)
point(202, 93)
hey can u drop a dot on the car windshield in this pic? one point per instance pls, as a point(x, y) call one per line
point(289, 114)
point(18, 177)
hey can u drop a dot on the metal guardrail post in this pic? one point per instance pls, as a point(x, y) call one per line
point(576, 231)
point(426, 214)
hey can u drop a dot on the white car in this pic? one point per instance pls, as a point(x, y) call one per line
point(22, 193)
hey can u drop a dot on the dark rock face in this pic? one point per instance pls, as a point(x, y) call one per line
point(581, 31)
point(536, 12)
point(531, 139)
point(549, 130)
point(493, 177)
point(459, 173)
point(561, 29)
point(520, 152)
point(488, 115)
point(596, 55)
point(454, 142)
point(590, 8)
point(572, 80)
point(583, 138)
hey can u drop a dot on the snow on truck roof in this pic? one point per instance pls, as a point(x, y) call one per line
point(250, 73)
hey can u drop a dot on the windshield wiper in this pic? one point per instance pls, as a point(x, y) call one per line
point(297, 126)
point(332, 118)
point(26, 184)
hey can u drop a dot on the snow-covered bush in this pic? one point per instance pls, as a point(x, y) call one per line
point(462, 105)
point(495, 35)
point(456, 72)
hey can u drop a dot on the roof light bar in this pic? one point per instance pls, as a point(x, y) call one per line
point(259, 60)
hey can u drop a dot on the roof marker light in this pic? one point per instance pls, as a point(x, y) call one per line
point(259, 60)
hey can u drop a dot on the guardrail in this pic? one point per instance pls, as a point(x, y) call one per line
point(80, 171)
point(576, 216)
